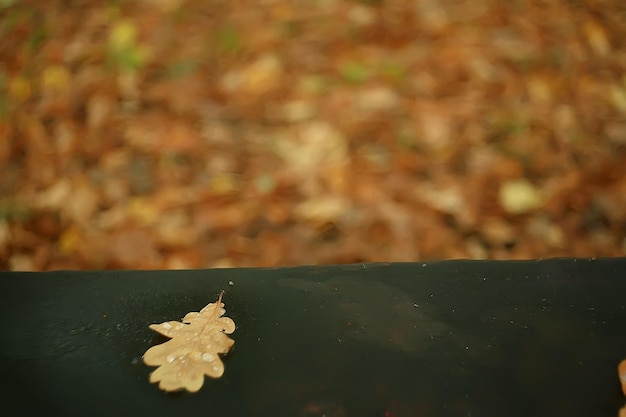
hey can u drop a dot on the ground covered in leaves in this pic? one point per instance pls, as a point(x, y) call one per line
point(206, 133)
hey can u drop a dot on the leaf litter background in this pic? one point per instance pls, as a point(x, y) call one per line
point(212, 133)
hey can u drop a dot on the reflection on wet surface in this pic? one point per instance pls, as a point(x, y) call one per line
point(403, 340)
point(374, 312)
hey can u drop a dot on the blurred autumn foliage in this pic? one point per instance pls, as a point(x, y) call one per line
point(207, 133)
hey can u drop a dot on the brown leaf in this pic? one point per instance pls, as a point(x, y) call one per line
point(260, 77)
point(157, 133)
point(193, 350)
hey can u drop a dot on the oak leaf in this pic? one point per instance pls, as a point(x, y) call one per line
point(621, 370)
point(193, 350)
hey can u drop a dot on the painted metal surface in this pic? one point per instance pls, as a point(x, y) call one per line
point(449, 338)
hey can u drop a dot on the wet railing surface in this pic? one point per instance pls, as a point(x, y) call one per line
point(448, 338)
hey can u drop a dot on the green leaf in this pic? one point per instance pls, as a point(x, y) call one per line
point(228, 40)
point(355, 72)
point(181, 69)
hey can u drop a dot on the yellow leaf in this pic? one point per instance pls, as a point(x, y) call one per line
point(597, 38)
point(618, 97)
point(519, 196)
point(193, 350)
point(55, 79)
point(69, 240)
point(20, 88)
point(123, 35)
point(143, 210)
point(223, 184)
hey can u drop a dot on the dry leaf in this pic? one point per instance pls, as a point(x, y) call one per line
point(519, 196)
point(621, 370)
point(193, 350)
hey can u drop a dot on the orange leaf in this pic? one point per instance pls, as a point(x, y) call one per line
point(621, 370)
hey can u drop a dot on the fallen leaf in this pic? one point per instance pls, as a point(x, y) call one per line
point(621, 369)
point(128, 147)
point(320, 210)
point(193, 350)
point(597, 38)
point(260, 77)
point(377, 99)
point(55, 80)
point(519, 196)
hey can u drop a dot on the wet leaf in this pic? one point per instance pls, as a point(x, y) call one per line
point(621, 369)
point(193, 350)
